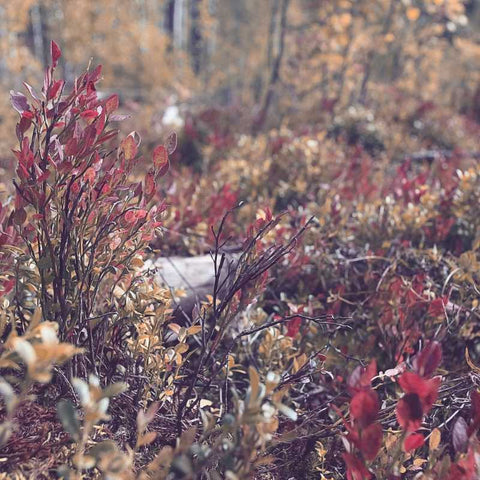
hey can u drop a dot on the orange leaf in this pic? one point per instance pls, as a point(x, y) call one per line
point(129, 148)
point(413, 14)
point(160, 160)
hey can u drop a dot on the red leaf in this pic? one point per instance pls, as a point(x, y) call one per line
point(293, 327)
point(53, 90)
point(91, 90)
point(426, 389)
point(131, 216)
point(437, 307)
point(44, 176)
point(89, 175)
point(364, 407)
point(475, 412)
point(8, 286)
point(362, 377)
point(20, 216)
point(55, 52)
point(409, 412)
point(75, 187)
point(371, 441)
point(150, 186)
point(95, 75)
point(100, 124)
point(356, 469)
point(413, 441)
point(107, 136)
point(428, 359)
point(466, 468)
point(71, 148)
point(141, 214)
point(106, 189)
point(91, 131)
point(22, 126)
point(89, 114)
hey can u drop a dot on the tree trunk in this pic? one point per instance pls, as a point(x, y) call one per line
point(179, 24)
point(275, 71)
point(37, 30)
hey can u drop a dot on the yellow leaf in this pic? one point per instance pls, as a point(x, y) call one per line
point(470, 362)
point(181, 348)
point(413, 14)
point(434, 440)
point(205, 403)
point(36, 317)
point(389, 37)
point(174, 327)
point(137, 262)
point(265, 460)
point(118, 291)
point(194, 329)
point(254, 382)
point(146, 439)
point(345, 19)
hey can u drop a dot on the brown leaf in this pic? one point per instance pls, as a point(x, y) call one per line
point(171, 143)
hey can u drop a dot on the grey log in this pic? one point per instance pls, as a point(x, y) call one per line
point(196, 275)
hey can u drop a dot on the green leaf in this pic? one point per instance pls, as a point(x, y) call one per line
point(8, 394)
point(114, 389)
point(44, 262)
point(102, 448)
point(68, 416)
point(63, 472)
point(6, 430)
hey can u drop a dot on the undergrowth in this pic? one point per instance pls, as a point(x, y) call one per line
point(342, 344)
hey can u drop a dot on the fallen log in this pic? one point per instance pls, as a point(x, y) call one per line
point(194, 275)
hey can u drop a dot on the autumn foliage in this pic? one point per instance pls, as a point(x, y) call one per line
point(343, 341)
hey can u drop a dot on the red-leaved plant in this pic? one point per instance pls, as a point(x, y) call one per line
point(364, 434)
point(79, 226)
point(420, 393)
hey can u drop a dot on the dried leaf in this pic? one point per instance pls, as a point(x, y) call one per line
point(129, 147)
point(254, 383)
point(435, 438)
point(160, 160)
point(171, 143)
point(470, 362)
point(194, 329)
point(146, 439)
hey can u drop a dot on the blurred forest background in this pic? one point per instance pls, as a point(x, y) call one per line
point(272, 63)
